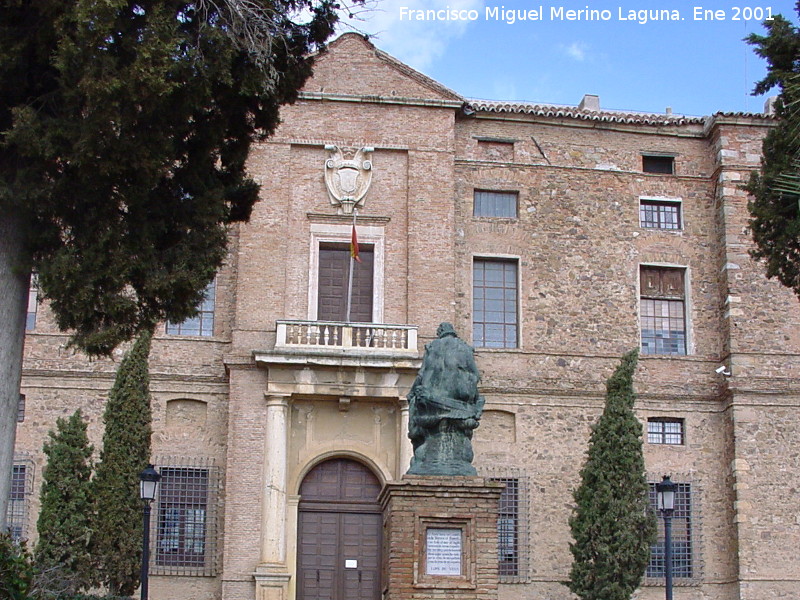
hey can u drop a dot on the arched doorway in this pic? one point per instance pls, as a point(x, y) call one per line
point(339, 533)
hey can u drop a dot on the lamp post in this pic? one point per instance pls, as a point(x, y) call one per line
point(148, 482)
point(665, 492)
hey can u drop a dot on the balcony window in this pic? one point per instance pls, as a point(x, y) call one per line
point(333, 280)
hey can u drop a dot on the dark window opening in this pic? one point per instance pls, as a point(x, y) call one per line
point(658, 164)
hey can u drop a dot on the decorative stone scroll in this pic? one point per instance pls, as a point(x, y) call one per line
point(348, 175)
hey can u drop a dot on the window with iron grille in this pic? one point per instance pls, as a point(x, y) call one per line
point(33, 293)
point(661, 430)
point(508, 528)
point(201, 324)
point(21, 409)
point(495, 204)
point(494, 303)
point(185, 524)
point(683, 536)
point(19, 500)
point(654, 163)
point(660, 214)
point(663, 310)
point(513, 536)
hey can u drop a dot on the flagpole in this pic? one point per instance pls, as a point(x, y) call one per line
point(350, 275)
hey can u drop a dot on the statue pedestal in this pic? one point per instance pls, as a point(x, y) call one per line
point(440, 538)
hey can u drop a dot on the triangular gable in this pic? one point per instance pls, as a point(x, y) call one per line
point(352, 66)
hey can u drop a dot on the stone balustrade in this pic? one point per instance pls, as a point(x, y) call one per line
point(367, 337)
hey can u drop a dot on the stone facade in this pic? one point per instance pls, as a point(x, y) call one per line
point(268, 397)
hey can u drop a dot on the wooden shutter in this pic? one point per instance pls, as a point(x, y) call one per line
point(334, 270)
point(661, 282)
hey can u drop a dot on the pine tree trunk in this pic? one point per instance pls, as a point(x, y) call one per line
point(14, 281)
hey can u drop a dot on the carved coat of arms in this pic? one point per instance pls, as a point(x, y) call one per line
point(348, 174)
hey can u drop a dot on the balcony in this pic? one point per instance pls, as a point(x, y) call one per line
point(345, 360)
point(335, 337)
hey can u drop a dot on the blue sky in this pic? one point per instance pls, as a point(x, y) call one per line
point(696, 67)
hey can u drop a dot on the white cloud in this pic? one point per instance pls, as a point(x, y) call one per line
point(577, 51)
point(416, 42)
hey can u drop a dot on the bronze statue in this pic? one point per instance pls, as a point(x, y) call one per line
point(444, 407)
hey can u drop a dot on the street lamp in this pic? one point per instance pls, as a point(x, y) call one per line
point(665, 492)
point(148, 482)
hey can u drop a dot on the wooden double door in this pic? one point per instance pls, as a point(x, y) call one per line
point(339, 533)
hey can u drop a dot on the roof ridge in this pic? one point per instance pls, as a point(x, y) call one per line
point(603, 114)
point(564, 110)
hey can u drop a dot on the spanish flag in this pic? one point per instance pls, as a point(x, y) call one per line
point(354, 246)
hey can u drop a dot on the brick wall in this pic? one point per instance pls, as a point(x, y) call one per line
point(578, 245)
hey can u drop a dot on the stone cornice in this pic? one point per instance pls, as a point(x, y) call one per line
point(329, 219)
point(358, 99)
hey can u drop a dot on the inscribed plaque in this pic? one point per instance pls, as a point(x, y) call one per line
point(443, 551)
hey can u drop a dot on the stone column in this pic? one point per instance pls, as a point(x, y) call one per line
point(406, 450)
point(272, 576)
point(273, 520)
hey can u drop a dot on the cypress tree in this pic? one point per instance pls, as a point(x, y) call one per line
point(124, 133)
point(64, 523)
point(126, 452)
point(775, 189)
point(612, 525)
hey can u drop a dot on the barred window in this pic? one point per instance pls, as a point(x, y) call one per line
point(18, 500)
point(21, 409)
point(186, 521)
point(508, 528)
point(33, 303)
point(494, 303)
point(660, 214)
point(683, 536)
point(663, 310)
point(203, 323)
point(495, 204)
point(661, 430)
point(513, 536)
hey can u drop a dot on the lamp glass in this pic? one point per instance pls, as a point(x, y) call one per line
point(665, 491)
point(147, 490)
point(148, 482)
point(666, 500)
